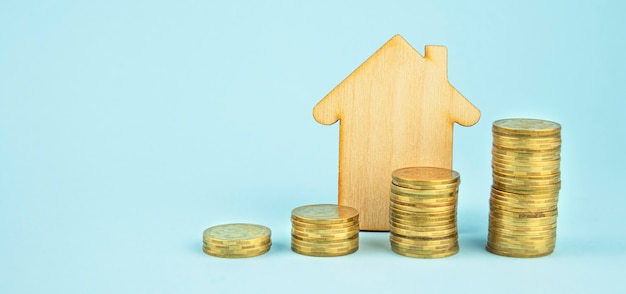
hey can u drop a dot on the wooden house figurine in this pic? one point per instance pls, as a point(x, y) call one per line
point(396, 110)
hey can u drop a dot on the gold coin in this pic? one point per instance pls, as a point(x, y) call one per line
point(526, 215)
point(518, 235)
point(340, 238)
point(235, 254)
point(517, 254)
point(422, 228)
point(526, 247)
point(344, 245)
point(494, 205)
point(528, 223)
point(521, 228)
point(401, 191)
point(439, 187)
point(519, 189)
point(537, 196)
point(525, 170)
point(324, 249)
point(414, 242)
point(413, 233)
point(511, 164)
point(424, 176)
point(536, 247)
point(237, 234)
point(454, 235)
point(433, 214)
point(522, 199)
point(521, 239)
point(521, 207)
point(530, 155)
point(426, 249)
point(237, 246)
point(510, 243)
point(417, 254)
point(544, 167)
point(253, 242)
point(525, 161)
point(448, 205)
point(525, 237)
point(419, 217)
point(324, 235)
point(424, 200)
point(323, 253)
point(324, 214)
point(514, 170)
point(337, 228)
point(538, 226)
point(527, 231)
point(543, 179)
point(235, 251)
point(528, 201)
point(529, 244)
point(527, 228)
point(508, 152)
point(329, 243)
point(523, 144)
point(422, 208)
point(526, 144)
point(519, 243)
point(423, 243)
point(525, 181)
point(523, 158)
point(523, 140)
point(526, 127)
point(421, 222)
point(522, 235)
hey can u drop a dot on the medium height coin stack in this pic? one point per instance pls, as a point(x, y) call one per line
point(324, 230)
point(423, 212)
point(526, 184)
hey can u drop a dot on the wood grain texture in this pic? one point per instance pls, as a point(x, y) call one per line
point(397, 109)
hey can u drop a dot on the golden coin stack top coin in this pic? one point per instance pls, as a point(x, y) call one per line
point(526, 183)
point(237, 240)
point(324, 230)
point(422, 213)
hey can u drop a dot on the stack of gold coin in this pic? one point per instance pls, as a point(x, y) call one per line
point(423, 212)
point(324, 230)
point(236, 240)
point(526, 184)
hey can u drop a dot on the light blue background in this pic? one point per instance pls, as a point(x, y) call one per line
point(128, 127)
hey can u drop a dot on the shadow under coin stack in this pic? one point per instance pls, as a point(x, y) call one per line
point(325, 230)
point(237, 240)
point(526, 184)
point(423, 212)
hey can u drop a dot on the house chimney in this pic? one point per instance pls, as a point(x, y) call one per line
point(439, 56)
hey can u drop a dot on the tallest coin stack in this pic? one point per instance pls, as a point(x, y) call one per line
point(526, 184)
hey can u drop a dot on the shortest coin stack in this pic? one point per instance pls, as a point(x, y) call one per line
point(236, 240)
point(324, 230)
point(423, 212)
